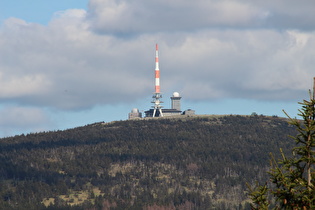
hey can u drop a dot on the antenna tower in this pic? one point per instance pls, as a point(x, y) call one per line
point(157, 94)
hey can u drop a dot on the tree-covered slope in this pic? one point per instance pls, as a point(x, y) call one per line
point(197, 162)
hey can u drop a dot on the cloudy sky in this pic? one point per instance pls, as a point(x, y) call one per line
point(69, 63)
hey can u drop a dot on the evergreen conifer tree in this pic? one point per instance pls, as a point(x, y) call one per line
point(292, 178)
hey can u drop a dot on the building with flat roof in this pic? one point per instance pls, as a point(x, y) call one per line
point(175, 108)
point(166, 112)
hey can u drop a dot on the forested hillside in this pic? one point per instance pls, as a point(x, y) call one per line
point(192, 162)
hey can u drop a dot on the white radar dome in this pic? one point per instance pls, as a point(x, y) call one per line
point(135, 110)
point(175, 94)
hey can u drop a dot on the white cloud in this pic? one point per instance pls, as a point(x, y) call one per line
point(136, 17)
point(125, 18)
point(208, 49)
point(27, 85)
point(288, 14)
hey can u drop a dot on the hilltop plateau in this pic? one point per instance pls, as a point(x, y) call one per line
point(200, 162)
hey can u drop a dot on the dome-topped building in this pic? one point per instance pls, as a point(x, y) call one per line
point(176, 101)
point(134, 114)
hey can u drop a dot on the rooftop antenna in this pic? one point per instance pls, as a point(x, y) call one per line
point(157, 94)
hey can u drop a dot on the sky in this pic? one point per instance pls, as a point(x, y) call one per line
point(70, 63)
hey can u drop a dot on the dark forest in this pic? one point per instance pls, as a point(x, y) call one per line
point(201, 162)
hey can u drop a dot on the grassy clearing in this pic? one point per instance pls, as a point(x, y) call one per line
point(76, 197)
point(49, 201)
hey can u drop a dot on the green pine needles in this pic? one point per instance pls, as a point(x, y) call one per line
point(292, 178)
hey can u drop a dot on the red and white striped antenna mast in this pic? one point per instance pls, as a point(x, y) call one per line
point(157, 94)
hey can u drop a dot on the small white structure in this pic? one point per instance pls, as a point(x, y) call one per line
point(134, 114)
point(189, 112)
